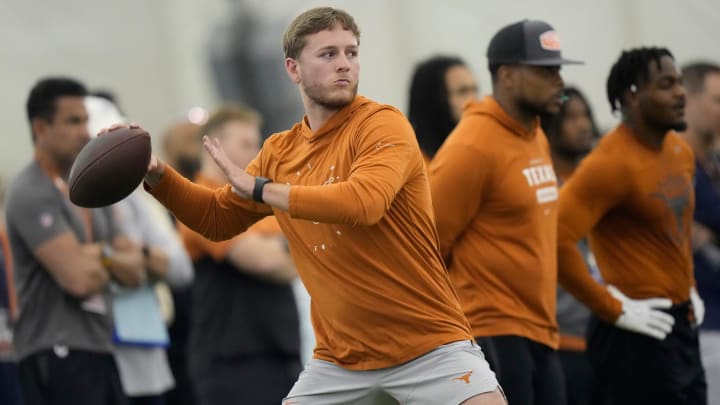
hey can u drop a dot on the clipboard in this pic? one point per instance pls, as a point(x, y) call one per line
point(137, 318)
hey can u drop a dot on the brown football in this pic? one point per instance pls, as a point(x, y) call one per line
point(109, 167)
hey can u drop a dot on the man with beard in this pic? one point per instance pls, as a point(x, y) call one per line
point(64, 256)
point(572, 134)
point(494, 192)
point(348, 187)
point(633, 195)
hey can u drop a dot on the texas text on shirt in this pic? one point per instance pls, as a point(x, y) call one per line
point(623, 185)
point(366, 308)
point(495, 203)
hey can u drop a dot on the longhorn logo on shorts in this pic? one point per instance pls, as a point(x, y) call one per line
point(465, 377)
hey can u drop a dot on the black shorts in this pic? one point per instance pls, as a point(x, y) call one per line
point(631, 368)
point(79, 378)
point(529, 372)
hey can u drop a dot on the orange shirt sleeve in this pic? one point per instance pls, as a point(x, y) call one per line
point(386, 153)
point(595, 188)
point(197, 246)
point(459, 176)
point(268, 226)
point(216, 214)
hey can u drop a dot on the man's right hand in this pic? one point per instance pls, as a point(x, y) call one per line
point(156, 167)
point(155, 171)
point(644, 316)
point(241, 181)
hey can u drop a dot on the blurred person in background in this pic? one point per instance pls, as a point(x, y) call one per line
point(244, 328)
point(702, 114)
point(10, 392)
point(572, 134)
point(144, 370)
point(439, 89)
point(633, 196)
point(495, 197)
point(65, 257)
point(180, 145)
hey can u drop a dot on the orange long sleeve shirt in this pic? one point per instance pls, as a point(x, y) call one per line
point(198, 246)
point(495, 195)
point(360, 229)
point(636, 204)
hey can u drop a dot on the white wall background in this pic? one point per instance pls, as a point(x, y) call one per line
point(152, 53)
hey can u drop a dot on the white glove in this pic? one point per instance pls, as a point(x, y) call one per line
point(644, 316)
point(698, 306)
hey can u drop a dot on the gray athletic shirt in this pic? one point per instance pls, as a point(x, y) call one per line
point(38, 211)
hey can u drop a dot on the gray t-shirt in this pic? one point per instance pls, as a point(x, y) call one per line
point(37, 211)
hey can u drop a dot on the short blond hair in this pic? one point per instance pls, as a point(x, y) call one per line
point(228, 113)
point(313, 21)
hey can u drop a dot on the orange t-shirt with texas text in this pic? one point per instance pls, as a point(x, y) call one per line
point(636, 203)
point(495, 197)
point(360, 229)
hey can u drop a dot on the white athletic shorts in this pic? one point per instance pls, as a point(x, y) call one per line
point(448, 375)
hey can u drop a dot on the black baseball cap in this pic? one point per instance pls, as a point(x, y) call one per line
point(527, 42)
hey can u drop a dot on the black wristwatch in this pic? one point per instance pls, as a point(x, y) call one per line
point(260, 183)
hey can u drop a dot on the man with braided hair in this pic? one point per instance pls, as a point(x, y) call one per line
point(633, 196)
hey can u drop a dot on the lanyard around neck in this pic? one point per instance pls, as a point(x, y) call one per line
point(61, 185)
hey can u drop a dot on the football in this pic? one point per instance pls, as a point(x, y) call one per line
point(109, 167)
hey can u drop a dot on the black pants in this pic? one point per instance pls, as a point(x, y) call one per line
point(579, 377)
point(259, 380)
point(148, 400)
point(79, 378)
point(182, 393)
point(636, 369)
point(529, 372)
point(9, 384)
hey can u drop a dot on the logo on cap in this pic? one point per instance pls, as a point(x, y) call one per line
point(550, 41)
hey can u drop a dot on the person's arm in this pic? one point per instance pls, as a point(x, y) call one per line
point(76, 267)
point(264, 256)
point(216, 214)
point(36, 216)
point(386, 152)
point(125, 262)
point(459, 175)
point(596, 186)
point(156, 262)
point(254, 253)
